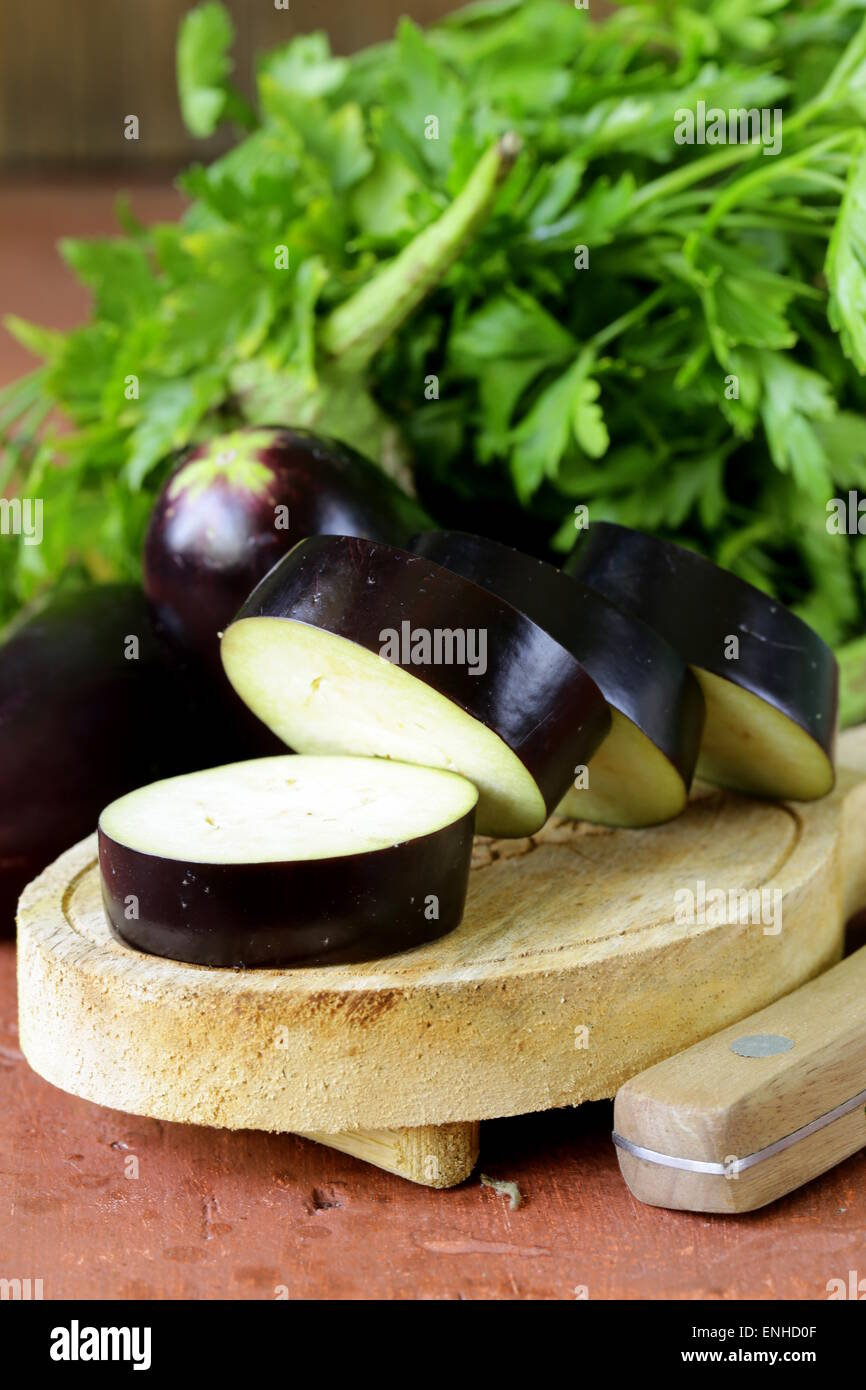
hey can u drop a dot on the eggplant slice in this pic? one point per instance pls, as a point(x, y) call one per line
point(771, 709)
point(642, 772)
point(348, 646)
point(288, 861)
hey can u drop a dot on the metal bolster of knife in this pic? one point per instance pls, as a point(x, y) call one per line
point(739, 1165)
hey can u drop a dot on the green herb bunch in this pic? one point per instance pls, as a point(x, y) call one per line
point(697, 369)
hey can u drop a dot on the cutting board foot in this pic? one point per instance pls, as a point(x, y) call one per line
point(433, 1155)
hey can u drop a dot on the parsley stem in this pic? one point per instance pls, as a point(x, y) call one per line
point(359, 327)
point(628, 320)
point(736, 191)
point(852, 674)
point(710, 164)
point(694, 172)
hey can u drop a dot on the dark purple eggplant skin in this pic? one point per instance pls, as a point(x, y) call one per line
point(334, 911)
point(212, 533)
point(695, 605)
point(534, 694)
point(80, 725)
point(637, 671)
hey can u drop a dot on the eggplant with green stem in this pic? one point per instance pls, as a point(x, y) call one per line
point(237, 504)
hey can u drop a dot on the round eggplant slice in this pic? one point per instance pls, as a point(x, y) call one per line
point(642, 772)
point(288, 861)
point(347, 646)
point(770, 684)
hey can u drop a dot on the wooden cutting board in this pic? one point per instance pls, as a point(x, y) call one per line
point(568, 975)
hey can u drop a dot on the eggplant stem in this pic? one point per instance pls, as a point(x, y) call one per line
point(356, 330)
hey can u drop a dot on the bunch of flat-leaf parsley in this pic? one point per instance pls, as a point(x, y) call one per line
point(479, 254)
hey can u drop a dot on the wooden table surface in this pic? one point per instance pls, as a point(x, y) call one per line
point(211, 1214)
point(218, 1214)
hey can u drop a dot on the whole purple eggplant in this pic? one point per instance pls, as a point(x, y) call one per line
point(237, 504)
point(88, 710)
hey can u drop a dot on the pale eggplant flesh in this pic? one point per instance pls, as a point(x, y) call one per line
point(642, 772)
point(348, 646)
point(770, 684)
point(288, 861)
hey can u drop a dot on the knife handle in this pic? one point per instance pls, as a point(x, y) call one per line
point(756, 1110)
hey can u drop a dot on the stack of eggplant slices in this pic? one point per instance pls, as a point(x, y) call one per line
point(452, 688)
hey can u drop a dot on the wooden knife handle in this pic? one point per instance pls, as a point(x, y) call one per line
point(790, 1079)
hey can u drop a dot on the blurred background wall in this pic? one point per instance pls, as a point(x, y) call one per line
point(71, 70)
